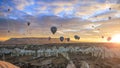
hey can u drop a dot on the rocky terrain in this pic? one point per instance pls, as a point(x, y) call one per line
point(65, 55)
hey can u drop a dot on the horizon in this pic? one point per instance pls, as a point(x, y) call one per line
point(71, 41)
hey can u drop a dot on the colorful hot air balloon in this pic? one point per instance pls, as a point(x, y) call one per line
point(61, 38)
point(98, 29)
point(49, 38)
point(4, 64)
point(68, 39)
point(109, 38)
point(53, 29)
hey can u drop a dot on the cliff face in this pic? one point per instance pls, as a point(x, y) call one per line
point(33, 41)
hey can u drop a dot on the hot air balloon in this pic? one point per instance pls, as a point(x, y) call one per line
point(76, 37)
point(53, 29)
point(28, 23)
point(109, 8)
point(8, 9)
point(92, 26)
point(109, 18)
point(4, 64)
point(61, 25)
point(102, 36)
point(98, 29)
point(8, 31)
point(61, 38)
point(49, 38)
point(109, 38)
point(68, 39)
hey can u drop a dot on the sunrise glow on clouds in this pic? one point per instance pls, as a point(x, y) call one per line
point(69, 16)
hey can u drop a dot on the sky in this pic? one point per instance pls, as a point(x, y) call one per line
point(89, 19)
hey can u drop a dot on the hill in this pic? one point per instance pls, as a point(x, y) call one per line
point(33, 41)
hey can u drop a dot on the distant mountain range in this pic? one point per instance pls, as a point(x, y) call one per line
point(34, 41)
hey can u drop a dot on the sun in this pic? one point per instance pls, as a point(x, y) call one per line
point(116, 38)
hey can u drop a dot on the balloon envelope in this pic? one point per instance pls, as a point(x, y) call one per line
point(98, 29)
point(53, 29)
point(49, 38)
point(8, 9)
point(76, 37)
point(61, 38)
point(92, 26)
point(8, 31)
point(109, 8)
point(102, 36)
point(28, 23)
point(109, 38)
point(109, 18)
point(68, 39)
point(4, 64)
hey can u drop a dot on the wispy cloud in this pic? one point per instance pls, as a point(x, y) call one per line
point(60, 32)
point(22, 4)
point(91, 26)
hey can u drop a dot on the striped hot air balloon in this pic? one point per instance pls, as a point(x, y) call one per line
point(4, 64)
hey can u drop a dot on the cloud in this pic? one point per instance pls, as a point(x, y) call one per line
point(21, 4)
point(85, 10)
point(60, 32)
point(96, 31)
point(69, 30)
point(91, 26)
point(69, 16)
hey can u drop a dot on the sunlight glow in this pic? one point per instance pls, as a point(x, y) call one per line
point(116, 38)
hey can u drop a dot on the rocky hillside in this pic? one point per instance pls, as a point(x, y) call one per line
point(34, 41)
